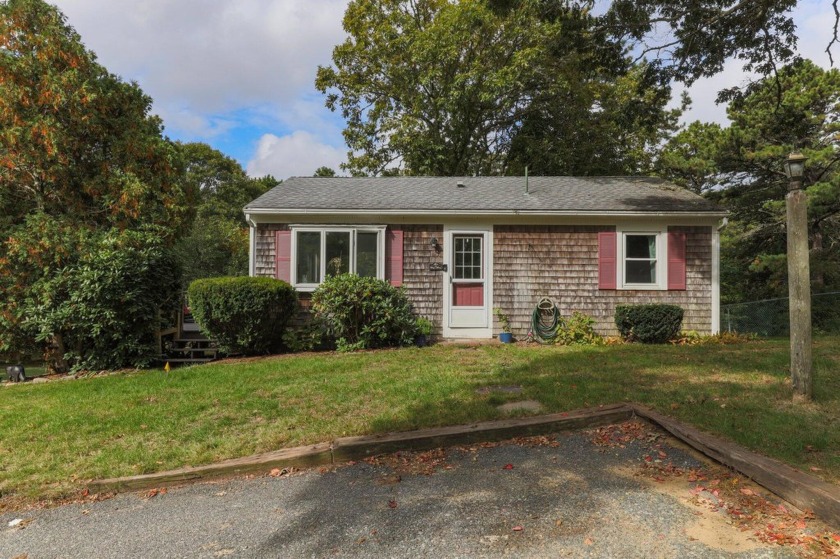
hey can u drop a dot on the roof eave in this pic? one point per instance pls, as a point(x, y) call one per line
point(489, 213)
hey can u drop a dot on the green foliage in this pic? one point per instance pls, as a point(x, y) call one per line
point(424, 326)
point(103, 310)
point(217, 243)
point(364, 313)
point(77, 140)
point(504, 320)
point(650, 324)
point(306, 337)
point(324, 171)
point(742, 167)
point(695, 38)
point(478, 87)
point(245, 315)
point(578, 329)
point(82, 163)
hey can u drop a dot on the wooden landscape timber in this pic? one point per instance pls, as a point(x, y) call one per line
point(798, 488)
point(804, 491)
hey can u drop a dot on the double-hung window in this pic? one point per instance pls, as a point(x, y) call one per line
point(642, 259)
point(322, 252)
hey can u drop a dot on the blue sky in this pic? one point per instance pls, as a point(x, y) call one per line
point(239, 74)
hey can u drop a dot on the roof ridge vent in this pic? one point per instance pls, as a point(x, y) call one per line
point(460, 184)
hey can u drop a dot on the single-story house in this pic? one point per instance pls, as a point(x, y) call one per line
point(461, 246)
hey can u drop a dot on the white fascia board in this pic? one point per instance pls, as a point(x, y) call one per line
point(489, 213)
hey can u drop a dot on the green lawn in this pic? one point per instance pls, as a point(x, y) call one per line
point(55, 436)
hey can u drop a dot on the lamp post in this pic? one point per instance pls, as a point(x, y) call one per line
point(799, 278)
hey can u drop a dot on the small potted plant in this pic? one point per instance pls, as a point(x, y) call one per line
point(424, 331)
point(505, 336)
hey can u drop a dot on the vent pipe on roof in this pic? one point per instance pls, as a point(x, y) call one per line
point(526, 180)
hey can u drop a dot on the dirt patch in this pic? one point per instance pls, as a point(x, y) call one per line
point(710, 528)
point(526, 405)
point(732, 513)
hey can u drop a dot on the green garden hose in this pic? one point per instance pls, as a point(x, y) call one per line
point(545, 321)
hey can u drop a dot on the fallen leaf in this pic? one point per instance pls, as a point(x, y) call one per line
point(85, 492)
point(508, 467)
point(815, 469)
point(748, 492)
point(662, 454)
point(588, 541)
point(800, 524)
point(783, 509)
point(558, 522)
point(675, 406)
point(392, 504)
point(518, 528)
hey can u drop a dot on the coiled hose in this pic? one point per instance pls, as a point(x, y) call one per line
point(545, 321)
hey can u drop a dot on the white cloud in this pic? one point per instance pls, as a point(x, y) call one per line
point(214, 55)
point(297, 154)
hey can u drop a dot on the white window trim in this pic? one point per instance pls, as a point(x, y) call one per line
point(353, 230)
point(661, 258)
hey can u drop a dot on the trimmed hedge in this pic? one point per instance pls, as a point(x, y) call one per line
point(363, 313)
point(244, 315)
point(650, 324)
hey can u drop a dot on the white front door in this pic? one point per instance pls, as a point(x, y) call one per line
point(468, 282)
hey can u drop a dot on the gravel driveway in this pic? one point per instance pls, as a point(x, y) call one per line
point(622, 491)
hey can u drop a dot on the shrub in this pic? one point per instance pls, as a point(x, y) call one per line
point(103, 311)
point(650, 324)
point(363, 313)
point(244, 315)
point(578, 329)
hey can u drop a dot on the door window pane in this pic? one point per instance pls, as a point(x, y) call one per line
point(366, 249)
point(308, 257)
point(468, 258)
point(337, 254)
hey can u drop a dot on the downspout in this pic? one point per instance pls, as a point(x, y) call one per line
point(252, 245)
point(716, 275)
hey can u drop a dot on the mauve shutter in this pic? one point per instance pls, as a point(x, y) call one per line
point(606, 260)
point(676, 260)
point(394, 256)
point(283, 252)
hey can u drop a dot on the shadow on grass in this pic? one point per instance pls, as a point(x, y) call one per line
point(741, 392)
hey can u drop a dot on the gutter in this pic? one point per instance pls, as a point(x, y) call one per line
point(481, 213)
point(252, 245)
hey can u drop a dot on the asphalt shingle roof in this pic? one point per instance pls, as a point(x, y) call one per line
point(564, 194)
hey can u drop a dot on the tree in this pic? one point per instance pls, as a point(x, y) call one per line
point(217, 243)
point(81, 161)
point(76, 140)
point(324, 172)
point(742, 167)
point(488, 87)
point(692, 39)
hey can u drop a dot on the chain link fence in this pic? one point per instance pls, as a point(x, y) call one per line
point(770, 317)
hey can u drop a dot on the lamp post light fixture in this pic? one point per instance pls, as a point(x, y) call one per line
point(795, 169)
point(799, 278)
